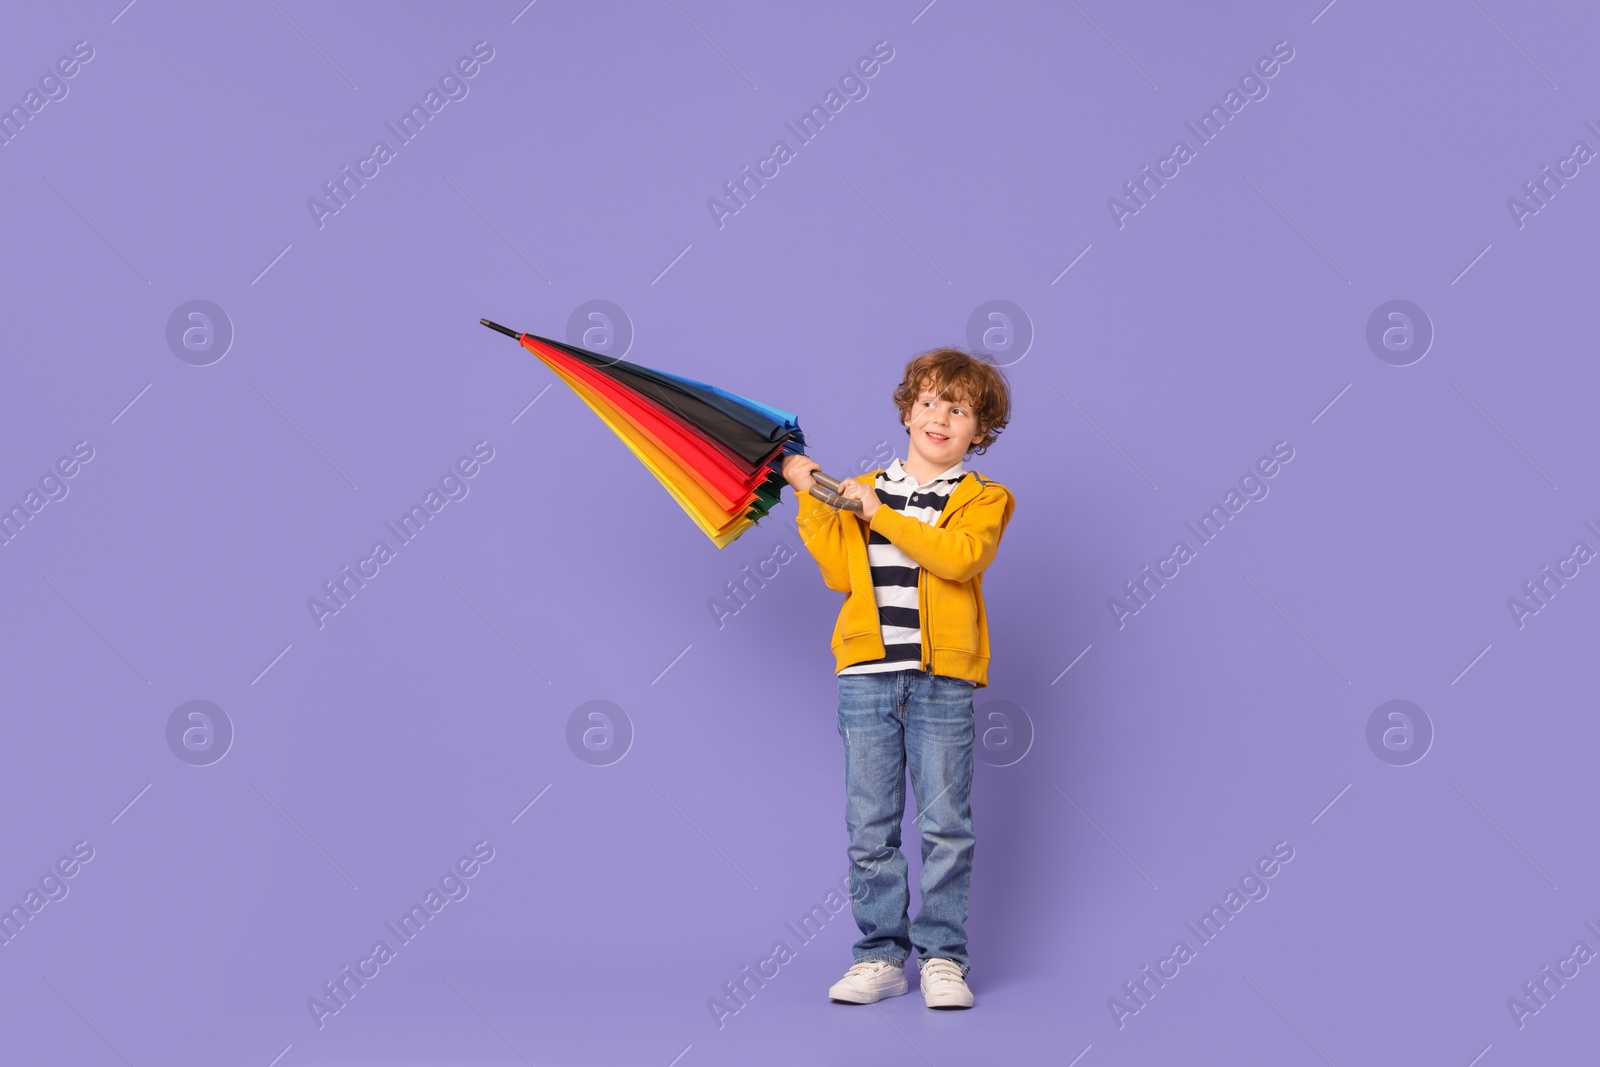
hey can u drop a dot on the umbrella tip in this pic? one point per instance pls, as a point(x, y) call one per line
point(502, 329)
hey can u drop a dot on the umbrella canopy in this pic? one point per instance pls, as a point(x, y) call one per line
point(717, 453)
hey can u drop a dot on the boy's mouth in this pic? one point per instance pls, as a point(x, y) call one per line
point(935, 437)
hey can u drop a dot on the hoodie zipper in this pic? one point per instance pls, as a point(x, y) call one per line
point(927, 623)
point(922, 597)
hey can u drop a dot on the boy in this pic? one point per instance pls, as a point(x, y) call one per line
point(911, 645)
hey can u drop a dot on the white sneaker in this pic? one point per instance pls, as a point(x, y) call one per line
point(943, 985)
point(869, 981)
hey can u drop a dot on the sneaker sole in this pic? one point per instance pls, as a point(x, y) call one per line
point(853, 997)
point(947, 1002)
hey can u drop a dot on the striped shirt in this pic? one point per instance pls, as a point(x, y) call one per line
point(894, 574)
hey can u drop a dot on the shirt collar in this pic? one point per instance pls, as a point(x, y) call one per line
point(898, 473)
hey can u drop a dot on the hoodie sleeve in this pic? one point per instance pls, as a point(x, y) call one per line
point(962, 547)
point(822, 531)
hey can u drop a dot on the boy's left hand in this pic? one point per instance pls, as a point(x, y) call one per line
point(855, 490)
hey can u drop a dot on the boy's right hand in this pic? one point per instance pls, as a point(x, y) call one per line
point(797, 472)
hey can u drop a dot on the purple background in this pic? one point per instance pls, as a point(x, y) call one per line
point(1230, 313)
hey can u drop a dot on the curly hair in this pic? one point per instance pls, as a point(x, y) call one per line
point(960, 375)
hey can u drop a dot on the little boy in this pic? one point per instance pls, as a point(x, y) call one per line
point(911, 645)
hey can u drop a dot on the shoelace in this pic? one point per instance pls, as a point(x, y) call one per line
point(866, 968)
point(937, 971)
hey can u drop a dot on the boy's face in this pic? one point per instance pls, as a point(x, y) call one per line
point(942, 428)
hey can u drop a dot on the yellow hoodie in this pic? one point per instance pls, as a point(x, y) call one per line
point(951, 555)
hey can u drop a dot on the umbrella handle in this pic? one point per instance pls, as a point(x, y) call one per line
point(826, 490)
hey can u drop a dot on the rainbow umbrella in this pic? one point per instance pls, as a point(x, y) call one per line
point(720, 455)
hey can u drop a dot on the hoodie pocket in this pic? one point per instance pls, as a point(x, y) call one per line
point(953, 624)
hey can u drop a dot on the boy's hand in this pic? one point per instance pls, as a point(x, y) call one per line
point(797, 472)
point(868, 496)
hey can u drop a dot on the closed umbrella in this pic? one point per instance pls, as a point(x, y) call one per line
point(719, 454)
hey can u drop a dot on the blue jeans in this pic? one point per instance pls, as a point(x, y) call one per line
point(887, 721)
